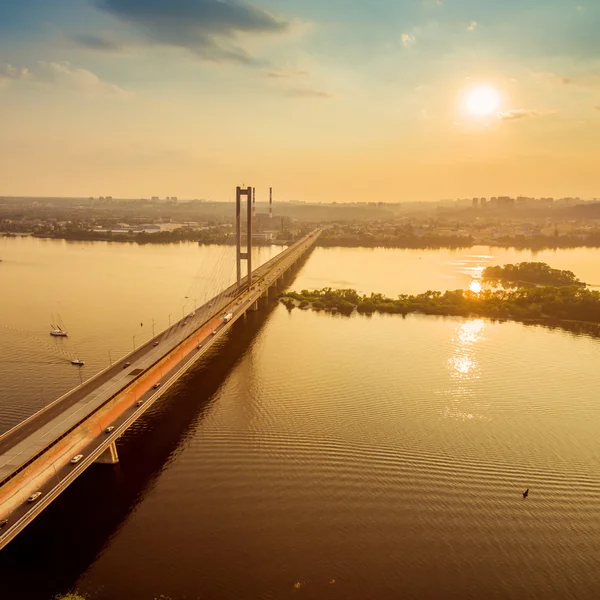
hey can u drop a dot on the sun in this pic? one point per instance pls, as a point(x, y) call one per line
point(482, 100)
point(475, 286)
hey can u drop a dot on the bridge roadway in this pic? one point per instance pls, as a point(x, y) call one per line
point(27, 443)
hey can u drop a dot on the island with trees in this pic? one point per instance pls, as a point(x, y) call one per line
point(550, 303)
point(529, 274)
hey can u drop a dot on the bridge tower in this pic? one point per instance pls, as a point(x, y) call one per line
point(247, 255)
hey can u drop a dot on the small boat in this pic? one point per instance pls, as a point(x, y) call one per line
point(57, 330)
point(77, 362)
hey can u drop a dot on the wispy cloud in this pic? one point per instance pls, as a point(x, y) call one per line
point(287, 73)
point(585, 80)
point(304, 92)
point(208, 28)
point(60, 75)
point(9, 73)
point(472, 26)
point(96, 42)
point(523, 113)
point(408, 39)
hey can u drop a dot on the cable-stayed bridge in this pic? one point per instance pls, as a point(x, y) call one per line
point(46, 452)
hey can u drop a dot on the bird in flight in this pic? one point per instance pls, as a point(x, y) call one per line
point(525, 493)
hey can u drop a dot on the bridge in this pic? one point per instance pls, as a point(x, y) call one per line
point(44, 454)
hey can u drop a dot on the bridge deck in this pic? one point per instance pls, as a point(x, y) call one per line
point(26, 441)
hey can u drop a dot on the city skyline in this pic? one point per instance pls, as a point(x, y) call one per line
point(327, 103)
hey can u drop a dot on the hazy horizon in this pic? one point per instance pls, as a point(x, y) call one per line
point(326, 102)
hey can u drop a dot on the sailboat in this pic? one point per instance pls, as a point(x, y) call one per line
point(75, 361)
point(58, 330)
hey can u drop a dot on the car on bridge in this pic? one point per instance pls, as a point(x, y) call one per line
point(156, 385)
point(155, 343)
point(34, 497)
point(3, 523)
point(109, 429)
point(76, 458)
point(127, 364)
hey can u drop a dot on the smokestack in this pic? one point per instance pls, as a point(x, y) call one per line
point(270, 203)
point(253, 202)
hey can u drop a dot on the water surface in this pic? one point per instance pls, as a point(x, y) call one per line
point(313, 456)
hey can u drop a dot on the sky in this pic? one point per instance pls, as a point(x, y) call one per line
point(336, 100)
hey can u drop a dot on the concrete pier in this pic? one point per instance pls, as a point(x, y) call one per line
point(110, 456)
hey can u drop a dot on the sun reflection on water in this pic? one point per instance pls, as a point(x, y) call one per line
point(463, 403)
point(470, 332)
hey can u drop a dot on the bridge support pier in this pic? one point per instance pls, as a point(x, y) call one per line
point(109, 456)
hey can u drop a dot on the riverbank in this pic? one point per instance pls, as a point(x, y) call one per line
point(166, 237)
point(404, 243)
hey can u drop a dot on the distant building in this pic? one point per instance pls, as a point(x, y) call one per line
point(505, 201)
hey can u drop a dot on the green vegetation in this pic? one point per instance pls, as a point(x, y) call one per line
point(527, 274)
point(572, 303)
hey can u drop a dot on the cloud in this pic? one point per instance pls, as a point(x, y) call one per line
point(472, 26)
point(408, 39)
point(61, 75)
point(306, 93)
point(286, 73)
point(96, 42)
point(10, 73)
point(208, 28)
point(522, 113)
point(583, 80)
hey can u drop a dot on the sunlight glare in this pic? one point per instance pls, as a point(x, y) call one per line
point(475, 286)
point(482, 100)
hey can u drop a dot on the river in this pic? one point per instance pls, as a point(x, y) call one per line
point(310, 455)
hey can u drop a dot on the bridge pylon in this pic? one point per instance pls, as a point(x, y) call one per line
point(247, 255)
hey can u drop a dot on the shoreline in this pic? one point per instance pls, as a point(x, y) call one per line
point(158, 239)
